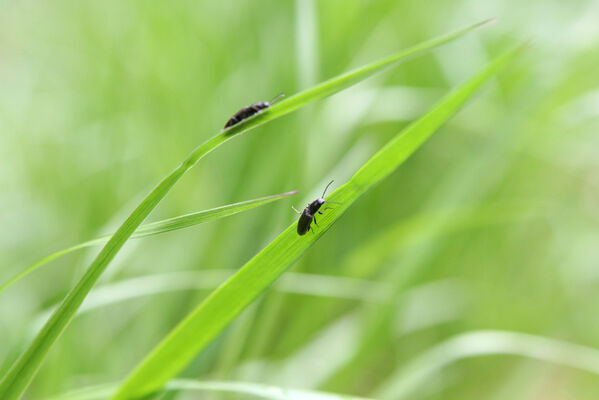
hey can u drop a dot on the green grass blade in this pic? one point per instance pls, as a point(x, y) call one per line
point(407, 232)
point(200, 327)
point(38, 264)
point(19, 376)
point(345, 80)
point(254, 390)
point(185, 221)
point(155, 228)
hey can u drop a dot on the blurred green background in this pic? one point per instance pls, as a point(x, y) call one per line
point(492, 225)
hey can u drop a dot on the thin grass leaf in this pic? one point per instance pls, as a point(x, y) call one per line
point(200, 327)
point(155, 228)
point(21, 373)
point(256, 390)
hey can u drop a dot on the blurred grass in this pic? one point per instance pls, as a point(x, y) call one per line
point(99, 99)
point(241, 388)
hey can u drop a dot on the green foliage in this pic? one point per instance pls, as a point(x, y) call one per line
point(224, 304)
point(15, 382)
point(470, 272)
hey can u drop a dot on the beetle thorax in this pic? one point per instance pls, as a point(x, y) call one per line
point(262, 105)
point(315, 205)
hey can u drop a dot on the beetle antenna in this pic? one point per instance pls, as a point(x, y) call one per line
point(325, 189)
point(277, 97)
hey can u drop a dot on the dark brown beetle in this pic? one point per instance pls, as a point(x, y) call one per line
point(248, 111)
point(309, 213)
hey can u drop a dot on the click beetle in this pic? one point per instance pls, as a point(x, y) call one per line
point(248, 111)
point(309, 213)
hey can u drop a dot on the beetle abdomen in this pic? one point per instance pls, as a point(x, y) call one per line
point(303, 225)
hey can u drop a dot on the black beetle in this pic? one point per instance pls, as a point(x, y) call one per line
point(248, 111)
point(306, 217)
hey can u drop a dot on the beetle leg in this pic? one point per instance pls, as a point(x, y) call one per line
point(295, 210)
point(315, 223)
point(320, 212)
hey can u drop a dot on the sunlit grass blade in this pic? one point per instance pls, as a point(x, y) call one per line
point(254, 390)
point(155, 228)
point(200, 327)
point(402, 383)
point(17, 379)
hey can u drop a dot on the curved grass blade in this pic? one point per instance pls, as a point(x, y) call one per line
point(17, 379)
point(241, 388)
point(209, 319)
point(403, 382)
point(155, 228)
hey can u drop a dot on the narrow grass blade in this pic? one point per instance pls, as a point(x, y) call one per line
point(200, 327)
point(17, 379)
point(345, 80)
point(254, 390)
point(185, 221)
point(155, 228)
point(406, 380)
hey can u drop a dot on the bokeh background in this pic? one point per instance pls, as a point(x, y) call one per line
point(470, 273)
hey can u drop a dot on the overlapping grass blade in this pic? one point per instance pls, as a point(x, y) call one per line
point(200, 327)
point(396, 238)
point(17, 379)
point(155, 228)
